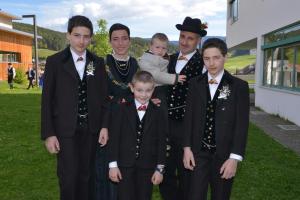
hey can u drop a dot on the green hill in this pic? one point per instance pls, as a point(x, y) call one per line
point(53, 40)
point(56, 41)
point(238, 62)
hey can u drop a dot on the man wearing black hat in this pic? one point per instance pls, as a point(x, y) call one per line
point(187, 62)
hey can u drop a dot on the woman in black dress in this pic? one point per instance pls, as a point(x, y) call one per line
point(120, 68)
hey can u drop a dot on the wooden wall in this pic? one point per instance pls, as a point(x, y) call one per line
point(12, 42)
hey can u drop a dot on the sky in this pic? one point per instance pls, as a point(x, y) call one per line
point(143, 17)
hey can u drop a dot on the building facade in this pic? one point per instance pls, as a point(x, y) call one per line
point(272, 27)
point(15, 46)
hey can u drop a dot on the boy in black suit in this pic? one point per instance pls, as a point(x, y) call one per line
point(216, 124)
point(137, 145)
point(74, 109)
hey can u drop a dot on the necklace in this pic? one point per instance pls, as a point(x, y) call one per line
point(123, 68)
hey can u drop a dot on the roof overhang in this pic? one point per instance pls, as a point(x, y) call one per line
point(9, 30)
point(10, 16)
point(247, 45)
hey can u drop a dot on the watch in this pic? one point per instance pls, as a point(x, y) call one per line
point(161, 170)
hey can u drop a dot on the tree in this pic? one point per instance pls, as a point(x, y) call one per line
point(100, 44)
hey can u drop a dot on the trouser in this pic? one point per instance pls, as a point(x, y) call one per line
point(175, 184)
point(75, 164)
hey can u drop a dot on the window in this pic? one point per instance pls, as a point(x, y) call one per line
point(233, 5)
point(297, 68)
point(282, 58)
point(10, 56)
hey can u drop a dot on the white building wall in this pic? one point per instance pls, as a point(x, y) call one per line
point(258, 17)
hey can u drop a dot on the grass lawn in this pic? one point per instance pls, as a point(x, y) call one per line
point(28, 172)
point(239, 62)
point(44, 53)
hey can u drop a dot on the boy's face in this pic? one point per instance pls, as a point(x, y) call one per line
point(214, 60)
point(142, 91)
point(159, 47)
point(188, 42)
point(120, 42)
point(79, 39)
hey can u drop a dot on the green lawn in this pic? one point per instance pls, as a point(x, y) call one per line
point(44, 53)
point(239, 62)
point(28, 172)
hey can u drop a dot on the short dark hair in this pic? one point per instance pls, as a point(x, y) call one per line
point(160, 36)
point(116, 27)
point(9, 63)
point(215, 43)
point(79, 20)
point(142, 76)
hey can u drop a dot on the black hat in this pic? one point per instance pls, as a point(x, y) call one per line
point(192, 25)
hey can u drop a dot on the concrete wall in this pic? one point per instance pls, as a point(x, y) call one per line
point(258, 17)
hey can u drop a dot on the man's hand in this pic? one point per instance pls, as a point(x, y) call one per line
point(188, 158)
point(157, 178)
point(181, 78)
point(103, 137)
point(228, 168)
point(115, 174)
point(52, 144)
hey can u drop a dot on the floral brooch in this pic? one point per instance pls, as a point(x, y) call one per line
point(90, 69)
point(224, 92)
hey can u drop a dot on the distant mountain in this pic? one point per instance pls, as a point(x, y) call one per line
point(175, 42)
point(53, 40)
point(56, 41)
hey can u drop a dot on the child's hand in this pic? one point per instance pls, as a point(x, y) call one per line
point(181, 78)
point(157, 178)
point(103, 137)
point(115, 174)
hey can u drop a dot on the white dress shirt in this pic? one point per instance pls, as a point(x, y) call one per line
point(181, 63)
point(80, 65)
point(212, 89)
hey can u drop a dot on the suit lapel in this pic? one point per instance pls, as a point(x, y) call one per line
point(148, 116)
point(132, 115)
point(69, 65)
point(225, 81)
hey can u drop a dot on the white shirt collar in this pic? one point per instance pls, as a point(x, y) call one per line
point(138, 104)
point(76, 56)
point(217, 78)
point(188, 56)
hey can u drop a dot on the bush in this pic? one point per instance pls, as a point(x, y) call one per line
point(20, 76)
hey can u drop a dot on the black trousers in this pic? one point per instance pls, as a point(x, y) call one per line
point(104, 188)
point(75, 165)
point(135, 184)
point(175, 185)
point(30, 83)
point(207, 172)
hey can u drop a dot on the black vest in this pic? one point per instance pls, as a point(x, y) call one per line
point(178, 93)
point(209, 139)
point(139, 134)
point(82, 118)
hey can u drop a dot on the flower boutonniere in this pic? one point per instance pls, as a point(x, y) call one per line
point(90, 69)
point(224, 92)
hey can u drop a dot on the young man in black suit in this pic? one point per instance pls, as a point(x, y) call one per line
point(187, 62)
point(74, 110)
point(216, 125)
point(137, 146)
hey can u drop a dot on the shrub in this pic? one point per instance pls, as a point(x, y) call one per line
point(20, 76)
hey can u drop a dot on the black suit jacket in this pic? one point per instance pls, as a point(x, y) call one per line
point(60, 95)
point(122, 143)
point(231, 116)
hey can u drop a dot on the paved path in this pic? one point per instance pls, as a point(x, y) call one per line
point(269, 124)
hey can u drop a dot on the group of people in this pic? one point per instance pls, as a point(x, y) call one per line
point(119, 126)
point(30, 74)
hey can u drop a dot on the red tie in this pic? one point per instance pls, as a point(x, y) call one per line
point(212, 81)
point(182, 58)
point(142, 108)
point(79, 59)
